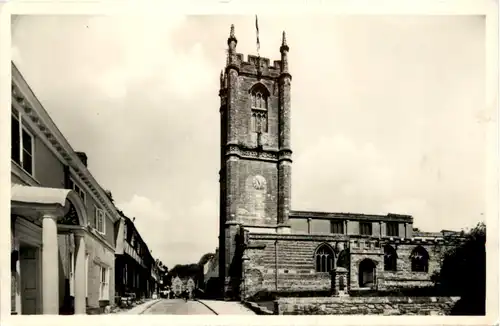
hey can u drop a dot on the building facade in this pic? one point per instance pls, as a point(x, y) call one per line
point(56, 204)
point(177, 286)
point(136, 270)
point(264, 245)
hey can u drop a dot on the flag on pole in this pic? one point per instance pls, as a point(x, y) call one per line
point(257, 29)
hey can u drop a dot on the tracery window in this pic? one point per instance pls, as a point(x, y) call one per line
point(419, 260)
point(259, 100)
point(259, 122)
point(324, 257)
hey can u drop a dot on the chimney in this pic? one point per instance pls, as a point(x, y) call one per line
point(83, 157)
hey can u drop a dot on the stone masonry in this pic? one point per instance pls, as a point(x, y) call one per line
point(264, 246)
point(365, 306)
point(255, 153)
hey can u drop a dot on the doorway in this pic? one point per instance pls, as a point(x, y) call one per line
point(367, 274)
point(30, 280)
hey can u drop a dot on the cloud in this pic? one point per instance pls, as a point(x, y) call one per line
point(146, 49)
point(350, 175)
point(142, 206)
point(176, 235)
point(15, 54)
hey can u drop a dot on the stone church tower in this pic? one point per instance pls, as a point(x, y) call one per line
point(255, 174)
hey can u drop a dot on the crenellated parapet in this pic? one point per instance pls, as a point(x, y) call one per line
point(361, 241)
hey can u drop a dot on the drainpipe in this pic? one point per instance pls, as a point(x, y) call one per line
point(276, 262)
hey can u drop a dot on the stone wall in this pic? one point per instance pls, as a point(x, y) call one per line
point(295, 264)
point(365, 306)
point(403, 277)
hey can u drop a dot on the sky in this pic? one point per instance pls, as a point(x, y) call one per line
point(388, 113)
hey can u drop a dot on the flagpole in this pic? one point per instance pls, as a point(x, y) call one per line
point(257, 31)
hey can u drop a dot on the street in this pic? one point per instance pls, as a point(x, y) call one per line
point(178, 307)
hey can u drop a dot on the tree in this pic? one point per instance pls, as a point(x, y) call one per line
point(463, 273)
point(205, 258)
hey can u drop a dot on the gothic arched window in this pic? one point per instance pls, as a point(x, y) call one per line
point(419, 260)
point(324, 258)
point(390, 258)
point(259, 101)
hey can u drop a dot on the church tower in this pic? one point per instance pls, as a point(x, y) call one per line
point(255, 174)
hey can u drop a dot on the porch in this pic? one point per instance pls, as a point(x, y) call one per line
point(38, 215)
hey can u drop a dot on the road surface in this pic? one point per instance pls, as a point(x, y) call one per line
point(178, 307)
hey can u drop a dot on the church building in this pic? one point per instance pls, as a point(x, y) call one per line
point(266, 246)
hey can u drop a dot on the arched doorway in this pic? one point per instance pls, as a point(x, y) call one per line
point(367, 274)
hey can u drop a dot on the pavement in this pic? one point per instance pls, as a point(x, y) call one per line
point(140, 309)
point(191, 307)
point(226, 307)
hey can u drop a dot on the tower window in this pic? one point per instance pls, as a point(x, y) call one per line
point(259, 122)
point(259, 100)
point(259, 111)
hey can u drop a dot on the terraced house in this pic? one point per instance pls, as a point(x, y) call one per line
point(136, 270)
point(57, 205)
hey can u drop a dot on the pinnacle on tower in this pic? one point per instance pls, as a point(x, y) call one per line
point(284, 55)
point(284, 46)
point(231, 42)
point(221, 79)
point(232, 37)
